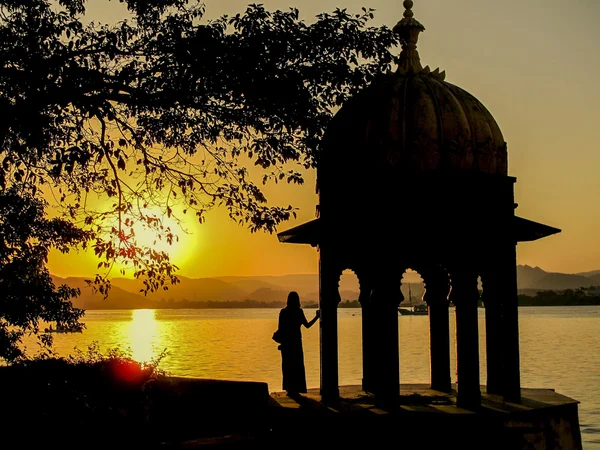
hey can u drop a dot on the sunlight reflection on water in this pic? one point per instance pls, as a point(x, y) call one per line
point(142, 334)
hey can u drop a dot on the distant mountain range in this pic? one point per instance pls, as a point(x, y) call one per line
point(536, 279)
point(125, 293)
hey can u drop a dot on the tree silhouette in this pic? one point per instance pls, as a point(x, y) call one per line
point(27, 293)
point(160, 110)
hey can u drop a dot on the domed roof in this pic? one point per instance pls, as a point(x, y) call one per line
point(414, 121)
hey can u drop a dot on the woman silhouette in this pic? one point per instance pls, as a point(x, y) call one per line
point(292, 356)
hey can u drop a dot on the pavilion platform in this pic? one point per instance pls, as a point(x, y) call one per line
point(426, 418)
point(227, 414)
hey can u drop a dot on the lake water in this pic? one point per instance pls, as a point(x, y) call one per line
point(560, 348)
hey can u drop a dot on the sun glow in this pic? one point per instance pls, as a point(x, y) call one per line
point(164, 234)
point(157, 239)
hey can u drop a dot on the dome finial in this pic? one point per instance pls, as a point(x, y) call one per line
point(408, 4)
point(408, 29)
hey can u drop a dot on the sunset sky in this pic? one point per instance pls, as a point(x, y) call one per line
point(533, 64)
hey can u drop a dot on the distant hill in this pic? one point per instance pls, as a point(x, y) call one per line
point(302, 283)
point(250, 284)
point(125, 293)
point(562, 281)
point(117, 299)
point(192, 289)
point(536, 279)
point(593, 273)
point(268, 295)
point(528, 277)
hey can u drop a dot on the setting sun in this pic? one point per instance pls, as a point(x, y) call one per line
point(181, 243)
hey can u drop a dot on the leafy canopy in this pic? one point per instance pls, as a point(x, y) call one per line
point(160, 110)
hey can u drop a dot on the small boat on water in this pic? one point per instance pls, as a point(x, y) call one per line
point(416, 310)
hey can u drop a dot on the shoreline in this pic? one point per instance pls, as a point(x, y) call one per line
point(310, 306)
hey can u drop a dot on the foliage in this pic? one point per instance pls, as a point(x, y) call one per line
point(114, 357)
point(27, 293)
point(568, 297)
point(164, 111)
point(73, 398)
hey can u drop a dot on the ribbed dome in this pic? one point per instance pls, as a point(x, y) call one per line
point(414, 121)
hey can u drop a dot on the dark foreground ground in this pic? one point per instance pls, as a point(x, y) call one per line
point(123, 407)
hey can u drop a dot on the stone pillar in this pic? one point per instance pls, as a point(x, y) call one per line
point(385, 299)
point(368, 352)
point(493, 338)
point(511, 377)
point(329, 299)
point(436, 297)
point(465, 296)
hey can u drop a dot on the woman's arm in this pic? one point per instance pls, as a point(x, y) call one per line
point(312, 322)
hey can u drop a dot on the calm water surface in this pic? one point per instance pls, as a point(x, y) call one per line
point(560, 348)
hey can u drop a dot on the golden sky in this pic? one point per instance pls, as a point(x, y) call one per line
point(533, 64)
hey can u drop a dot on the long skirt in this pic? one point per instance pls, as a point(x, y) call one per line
point(292, 366)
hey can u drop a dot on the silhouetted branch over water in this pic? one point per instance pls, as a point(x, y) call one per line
point(126, 124)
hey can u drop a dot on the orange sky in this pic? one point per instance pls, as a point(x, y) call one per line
point(535, 66)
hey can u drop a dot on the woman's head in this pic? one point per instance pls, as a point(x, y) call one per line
point(293, 300)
